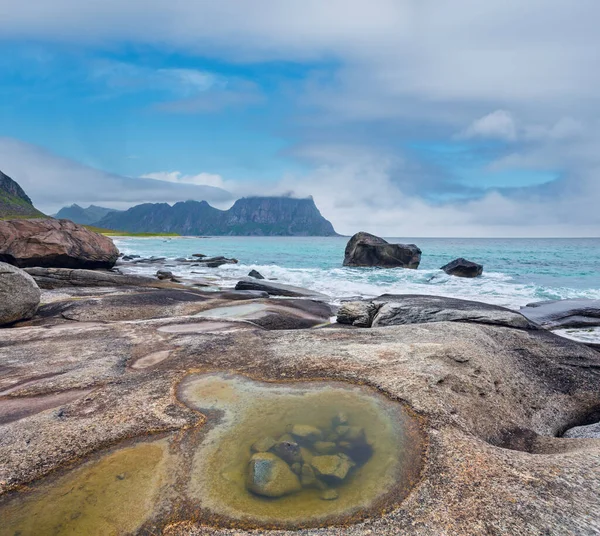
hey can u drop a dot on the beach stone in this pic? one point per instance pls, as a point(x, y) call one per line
point(365, 249)
point(305, 432)
point(54, 243)
point(398, 309)
point(278, 289)
point(289, 451)
point(332, 468)
point(19, 295)
point(560, 314)
point(463, 268)
point(263, 445)
point(357, 313)
point(270, 476)
point(588, 431)
point(255, 274)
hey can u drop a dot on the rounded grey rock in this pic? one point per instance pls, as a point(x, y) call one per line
point(19, 295)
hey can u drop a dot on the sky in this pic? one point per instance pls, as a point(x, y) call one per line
point(400, 117)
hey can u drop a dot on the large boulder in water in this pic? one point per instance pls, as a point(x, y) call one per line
point(19, 295)
point(463, 268)
point(556, 314)
point(365, 249)
point(55, 244)
point(270, 476)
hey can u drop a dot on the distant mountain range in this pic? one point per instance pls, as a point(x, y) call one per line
point(249, 216)
point(84, 216)
point(14, 202)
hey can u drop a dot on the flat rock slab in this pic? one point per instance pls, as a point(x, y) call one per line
point(55, 278)
point(278, 289)
point(575, 313)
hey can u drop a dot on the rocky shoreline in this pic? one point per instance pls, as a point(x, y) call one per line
point(500, 400)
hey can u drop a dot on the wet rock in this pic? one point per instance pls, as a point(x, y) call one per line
point(329, 495)
point(557, 314)
point(164, 274)
point(416, 309)
point(307, 476)
point(306, 433)
point(54, 243)
point(255, 274)
point(463, 268)
point(332, 468)
point(353, 434)
point(199, 255)
point(357, 313)
point(365, 249)
point(55, 278)
point(263, 445)
point(339, 419)
point(19, 295)
point(288, 451)
point(589, 431)
point(324, 447)
point(270, 476)
point(215, 262)
point(278, 289)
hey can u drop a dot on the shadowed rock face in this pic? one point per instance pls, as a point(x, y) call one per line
point(492, 401)
point(19, 295)
point(278, 289)
point(575, 313)
point(463, 268)
point(54, 243)
point(365, 250)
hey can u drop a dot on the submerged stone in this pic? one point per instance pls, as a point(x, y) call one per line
point(332, 468)
point(305, 432)
point(325, 447)
point(329, 495)
point(288, 451)
point(271, 476)
point(263, 445)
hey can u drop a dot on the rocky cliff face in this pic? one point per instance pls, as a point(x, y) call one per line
point(252, 216)
point(14, 202)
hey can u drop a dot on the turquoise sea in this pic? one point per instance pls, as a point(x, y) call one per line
point(516, 271)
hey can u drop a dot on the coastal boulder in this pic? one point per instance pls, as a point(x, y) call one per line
point(555, 314)
point(255, 274)
point(365, 250)
point(463, 268)
point(54, 243)
point(19, 295)
point(278, 289)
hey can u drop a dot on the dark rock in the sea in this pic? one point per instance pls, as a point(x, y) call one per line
point(270, 476)
point(365, 249)
point(463, 268)
point(255, 274)
point(54, 243)
point(53, 278)
point(278, 289)
point(588, 431)
point(332, 468)
point(164, 274)
point(199, 255)
point(357, 313)
point(574, 313)
point(416, 309)
point(215, 262)
point(19, 295)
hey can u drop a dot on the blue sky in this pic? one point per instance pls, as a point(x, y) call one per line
point(379, 109)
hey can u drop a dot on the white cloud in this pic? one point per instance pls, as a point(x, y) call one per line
point(201, 179)
point(496, 125)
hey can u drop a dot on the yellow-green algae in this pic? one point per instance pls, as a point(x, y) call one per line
point(252, 410)
point(110, 496)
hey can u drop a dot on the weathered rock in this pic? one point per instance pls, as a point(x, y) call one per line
point(19, 295)
point(263, 445)
point(306, 432)
point(54, 243)
point(463, 268)
point(289, 451)
point(556, 314)
point(416, 309)
point(278, 289)
point(365, 249)
point(270, 476)
point(357, 313)
point(255, 274)
point(588, 431)
point(332, 468)
point(54, 278)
